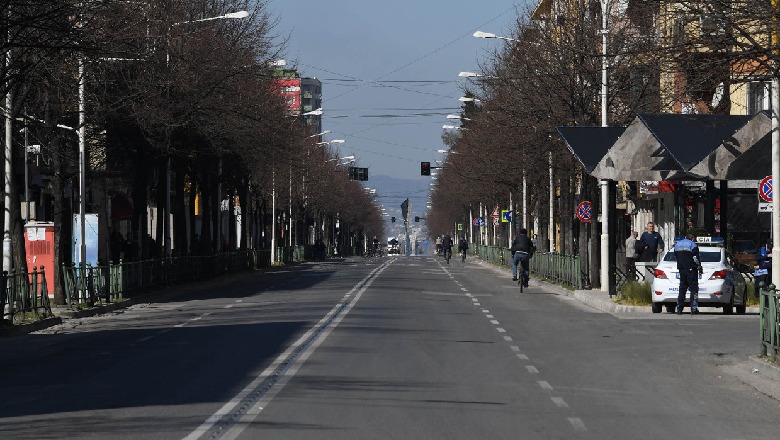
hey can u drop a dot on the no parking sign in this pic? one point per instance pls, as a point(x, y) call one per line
point(584, 212)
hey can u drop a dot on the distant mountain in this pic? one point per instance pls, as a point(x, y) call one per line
point(392, 191)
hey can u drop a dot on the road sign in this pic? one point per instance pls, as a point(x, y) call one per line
point(764, 207)
point(460, 226)
point(584, 212)
point(479, 221)
point(506, 215)
point(765, 189)
point(496, 221)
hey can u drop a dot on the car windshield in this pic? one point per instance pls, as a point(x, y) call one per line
point(706, 256)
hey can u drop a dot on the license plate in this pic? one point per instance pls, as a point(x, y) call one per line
point(677, 275)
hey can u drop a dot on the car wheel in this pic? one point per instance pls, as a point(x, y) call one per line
point(657, 307)
point(728, 309)
point(670, 308)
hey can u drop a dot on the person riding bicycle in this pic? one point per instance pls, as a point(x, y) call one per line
point(522, 251)
point(446, 245)
point(375, 246)
point(463, 246)
point(438, 245)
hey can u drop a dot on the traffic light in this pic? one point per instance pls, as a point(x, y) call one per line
point(416, 219)
point(392, 219)
point(425, 168)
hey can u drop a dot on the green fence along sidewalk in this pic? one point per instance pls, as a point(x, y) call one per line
point(770, 327)
point(87, 286)
point(550, 266)
point(24, 296)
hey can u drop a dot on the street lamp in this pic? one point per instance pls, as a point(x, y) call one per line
point(320, 134)
point(480, 34)
point(468, 99)
point(317, 112)
point(475, 75)
point(458, 117)
point(334, 141)
point(451, 127)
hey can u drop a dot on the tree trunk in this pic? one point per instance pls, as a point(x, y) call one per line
point(160, 193)
point(205, 216)
point(179, 212)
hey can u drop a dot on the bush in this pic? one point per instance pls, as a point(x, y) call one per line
point(635, 294)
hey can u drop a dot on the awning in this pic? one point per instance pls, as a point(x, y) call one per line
point(590, 144)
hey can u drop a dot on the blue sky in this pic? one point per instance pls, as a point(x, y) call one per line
point(390, 126)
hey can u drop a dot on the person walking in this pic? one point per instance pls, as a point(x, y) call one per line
point(631, 255)
point(522, 251)
point(653, 244)
point(689, 266)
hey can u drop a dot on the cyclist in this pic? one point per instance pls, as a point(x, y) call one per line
point(463, 246)
point(446, 245)
point(522, 251)
point(438, 245)
point(375, 246)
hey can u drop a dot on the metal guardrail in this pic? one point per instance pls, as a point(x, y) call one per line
point(770, 327)
point(24, 296)
point(105, 284)
point(561, 269)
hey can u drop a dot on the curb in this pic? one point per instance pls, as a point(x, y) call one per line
point(23, 329)
point(765, 368)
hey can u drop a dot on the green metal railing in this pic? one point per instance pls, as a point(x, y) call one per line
point(24, 296)
point(110, 283)
point(561, 269)
point(770, 327)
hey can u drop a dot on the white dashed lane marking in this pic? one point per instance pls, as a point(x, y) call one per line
point(494, 322)
point(514, 348)
point(508, 338)
point(531, 369)
point(522, 356)
point(577, 424)
point(559, 402)
point(229, 306)
point(144, 339)
point(500, 330)
point(545, 385)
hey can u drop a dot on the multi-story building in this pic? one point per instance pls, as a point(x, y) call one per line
point(302, 95)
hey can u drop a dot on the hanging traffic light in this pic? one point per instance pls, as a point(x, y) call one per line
point(416, 219)
point(392, 219)
point(425, 168)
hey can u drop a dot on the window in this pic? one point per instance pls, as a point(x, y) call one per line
point(706, 256)
point(758, 97)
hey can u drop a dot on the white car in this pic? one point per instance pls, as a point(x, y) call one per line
point(721, 284)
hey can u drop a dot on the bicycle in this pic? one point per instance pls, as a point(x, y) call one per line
point(463, 256)
point(524, 274)
point(447, 255)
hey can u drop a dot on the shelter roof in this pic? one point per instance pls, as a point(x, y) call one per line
point(590, 144)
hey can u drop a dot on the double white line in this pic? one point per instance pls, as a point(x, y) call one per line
point(234, 416)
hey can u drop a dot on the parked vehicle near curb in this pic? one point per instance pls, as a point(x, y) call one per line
point(721, 284)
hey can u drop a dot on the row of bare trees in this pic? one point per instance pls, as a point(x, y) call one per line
point(170, 85)
point(663, 57)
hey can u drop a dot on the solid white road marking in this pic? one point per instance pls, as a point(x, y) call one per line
point(545, 385)
point(559, 401)
point(325, 325)
point(531, 369)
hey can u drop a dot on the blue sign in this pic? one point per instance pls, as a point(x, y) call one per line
point(507, 215)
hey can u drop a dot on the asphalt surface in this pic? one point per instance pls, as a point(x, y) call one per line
point(391, 348)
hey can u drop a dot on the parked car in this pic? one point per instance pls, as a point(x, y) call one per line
point(745, 252)
point(721, 284)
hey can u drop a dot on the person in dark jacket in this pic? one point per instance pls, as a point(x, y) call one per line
point(763, 261)
point(689, 265)
point(652, 243)
point(522, 251)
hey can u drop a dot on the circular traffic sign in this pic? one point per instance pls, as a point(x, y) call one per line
point(765, 189)
point(584, 212)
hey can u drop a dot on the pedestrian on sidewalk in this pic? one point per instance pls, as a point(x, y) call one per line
point(631, 255)
point(689, 266)
point(653, 243)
